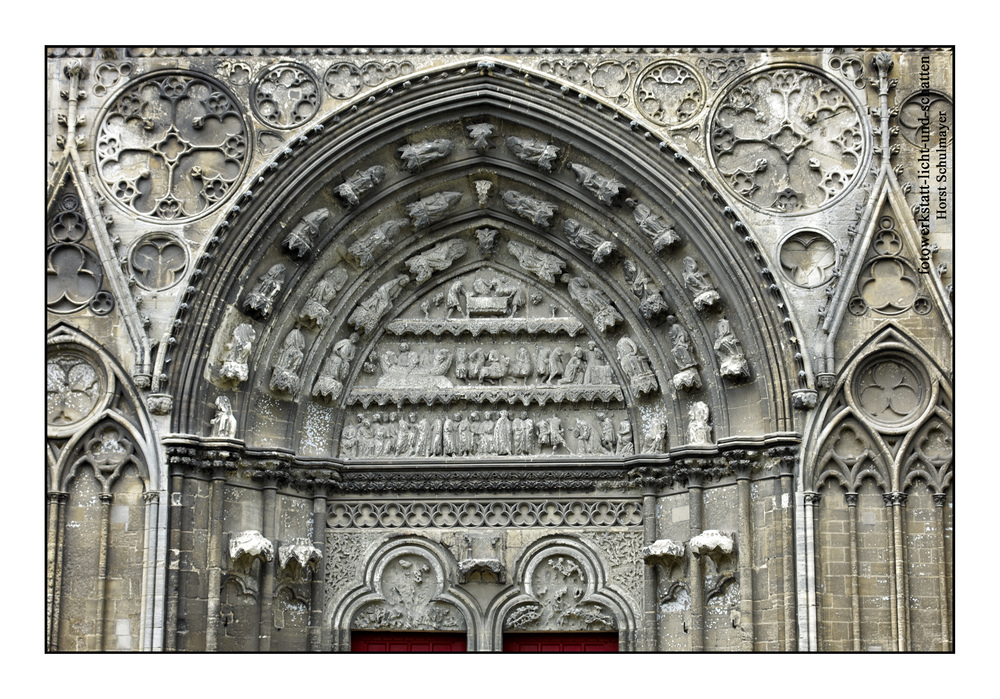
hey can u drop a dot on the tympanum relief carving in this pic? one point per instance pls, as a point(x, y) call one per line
point(408, 586)
point(561, 600)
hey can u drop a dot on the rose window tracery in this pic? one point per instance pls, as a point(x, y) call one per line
point(890, 390)
point(286, 96)
point(172, 146)
point(787, 140)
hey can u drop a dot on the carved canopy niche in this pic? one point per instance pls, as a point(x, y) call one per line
point(475, 243)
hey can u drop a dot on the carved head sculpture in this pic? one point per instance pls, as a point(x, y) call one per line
point(413, 418)
point(392, 416)
point(524, 415)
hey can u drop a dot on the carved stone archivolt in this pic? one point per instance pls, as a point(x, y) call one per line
point(787, 140)
point(172, 146)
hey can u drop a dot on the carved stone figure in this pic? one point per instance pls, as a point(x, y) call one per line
point(284, 371)
point(503, 435)
point(542, 360)
point(535, 210)
point(349, 441)
point(598, 371)
point(705, 295)
point(260, 300)
point(370, 311)
point(438, 258)
point(364, 250)
point(450, 446)
point(594, 302)
point(359, 184)
point(654, 440)
point(480, 135)
point(573, 372)
point(495, 367)
point(636, 366)
point(329, 384)
point(300, 240)
point(535, 152)
point(699, 430)
point(224, 422)
point(556, 435)
point(652, 303)
point(586, 238)
point(453, 301)
point(433, 208)
point(606, 189)
point(662, 234)
point(626, 447)
point(315, 311)
point(732, 362)
point(487, 238)
point(539, 263)
point(416, 155)
point(687, 377)
point(464, 436)
point(555, 364)
point(237, 353)
point(521, 368)
point(607, 433)
point(435, 448)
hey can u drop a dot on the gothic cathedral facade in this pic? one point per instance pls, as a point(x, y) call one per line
point(499, 349)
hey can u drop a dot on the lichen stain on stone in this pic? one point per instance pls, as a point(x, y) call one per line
point(316, 429)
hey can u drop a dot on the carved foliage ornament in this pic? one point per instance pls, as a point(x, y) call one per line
point(409, 586)
point(491, 513)
point(561, 589)
point(173, 146)
point(787, 140)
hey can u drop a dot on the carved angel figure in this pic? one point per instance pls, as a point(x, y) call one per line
point(314, 310)
point(705, 294)
point(651, 298)
point(533, 260)
point(681, 347)
point(699, 431)
point(535, 210)
point(662, 234)
point(606, 189)
point(380, 238)
point(300, 240)
point(260, 300)
point(433, 208)
point(586, 238)
point(416, 155)
point(284, 371)
point(440, 257)
point(237, 352)
point(636, 366)
point(732, 362)
point(532, 151)
point(480, 134)
point(224, 422)
point(594, 302)
point(359, 184)
point(370, 311)
point(335, 368)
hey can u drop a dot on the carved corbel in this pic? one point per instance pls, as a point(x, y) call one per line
point(482, 555)
point(667, 554)
point(248, 546)
point(299, 558)
point(713, 543)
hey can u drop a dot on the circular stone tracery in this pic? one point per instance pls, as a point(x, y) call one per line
point(787, 140)
point(807, 258)
point(74, 386)
point(891, 391)
point(286, 96)
point(670, 93)
point(172, 146)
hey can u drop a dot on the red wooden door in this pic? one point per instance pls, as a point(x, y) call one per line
point(406, 642)
point(560, 642)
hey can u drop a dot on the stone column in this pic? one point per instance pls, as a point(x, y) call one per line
point(318, 583)
point(267, 569)
point(852, 518)
point(902, 583)
point(810, 501)
point(940, 499)
point(742, 465)
point(214, 560)
point(893, 583)
point(649, 597)
point(787, 469)
point(696, 566)
point(102, 566)
point(152, 500)
point(174, 509)
point(53, 566)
